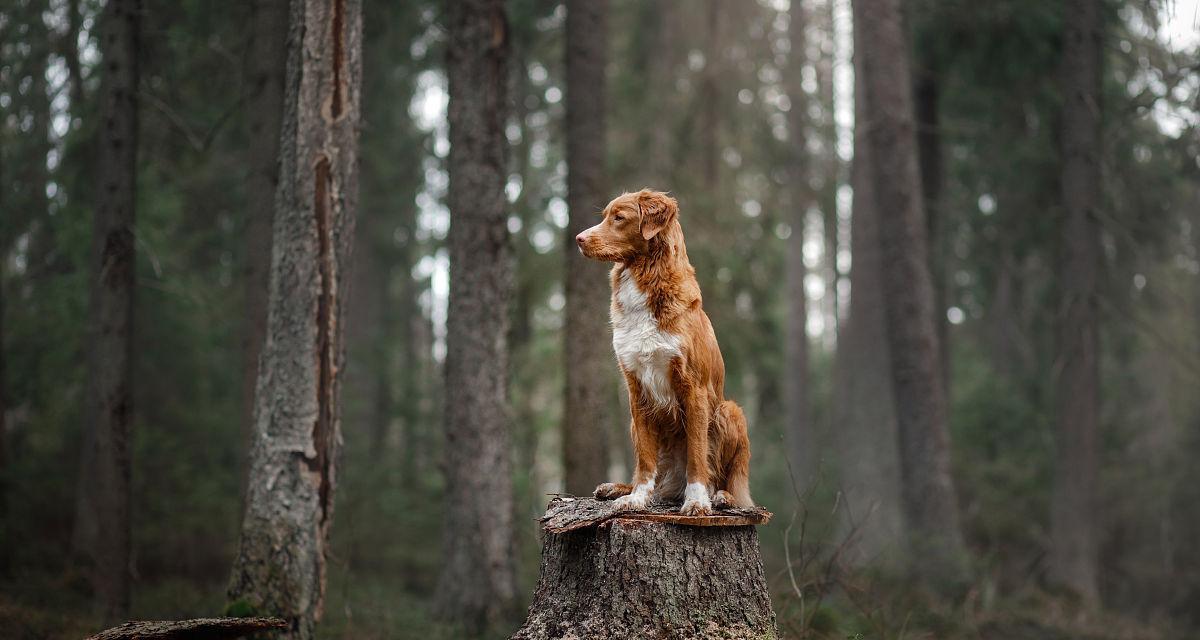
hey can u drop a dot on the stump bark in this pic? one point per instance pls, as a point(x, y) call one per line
point(655, 575)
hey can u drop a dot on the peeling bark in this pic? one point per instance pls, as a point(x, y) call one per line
point(281, 561)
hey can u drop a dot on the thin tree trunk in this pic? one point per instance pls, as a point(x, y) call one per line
point(938, 555)
point(267, 59)
point(800, 429)
point(5, 240)
point(422, 396)
point(34, 175)
point(929, 150)
point(710, 113)
point(70, 52)
point(659, 19)
point(1073, 552)
point(379, 417)
point(476, 586)
point(864, 408)
point(588, 416)
point(102, 529)
point(281, 560)
point(829, 168)
point(369, 376)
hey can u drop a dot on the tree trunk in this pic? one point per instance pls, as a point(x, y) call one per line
point(5, 523)
point(476, 586)
point(830, 170)
point(929, 153)
point(33, 212)
point(927, 488)
point(70, 53)
point(102, 530)
point(863, 404)
point(589, 416)
point(368, 378)
point(709, 94)
point(416, 383)
point(266, 59)
point(620, 577)
point(280, 565)
point(800, 428)
point(1073, 552)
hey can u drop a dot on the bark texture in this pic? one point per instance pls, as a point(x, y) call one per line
point(266, 62)
point(589, 414)
point(476, 587)
point(864, 408)
point(927, 488)
point(800, 431)
point(637, 579)
point(102, 530)
point(196, 629)
point(280, 565)
point(1073, 553)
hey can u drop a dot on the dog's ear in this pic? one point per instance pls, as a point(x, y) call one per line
point(658, 210)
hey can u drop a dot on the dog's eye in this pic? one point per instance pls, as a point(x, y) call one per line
point(618, 217)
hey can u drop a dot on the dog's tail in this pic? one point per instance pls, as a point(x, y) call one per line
point(737, 464)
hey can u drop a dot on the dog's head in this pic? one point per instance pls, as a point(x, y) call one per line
point(631, 222)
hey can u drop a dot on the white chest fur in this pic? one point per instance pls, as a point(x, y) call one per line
point(642, 348)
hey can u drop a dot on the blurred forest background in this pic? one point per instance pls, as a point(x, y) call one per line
point(750, 113)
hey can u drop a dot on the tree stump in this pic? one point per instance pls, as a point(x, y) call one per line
point(653, 574)
point(197, 629)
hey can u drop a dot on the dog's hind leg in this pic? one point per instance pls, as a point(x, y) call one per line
point(736, 492)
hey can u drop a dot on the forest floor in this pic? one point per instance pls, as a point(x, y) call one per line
point(366, 606)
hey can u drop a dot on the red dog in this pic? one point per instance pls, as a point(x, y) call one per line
point(690, 442)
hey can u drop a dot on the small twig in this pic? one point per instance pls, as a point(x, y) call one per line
point(787, 557)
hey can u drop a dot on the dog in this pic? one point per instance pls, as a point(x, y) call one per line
point(689, 442)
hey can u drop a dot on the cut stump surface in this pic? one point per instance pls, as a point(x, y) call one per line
point(607, 574)
point(568, 514)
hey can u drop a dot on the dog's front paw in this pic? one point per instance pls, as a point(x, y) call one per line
point(611, 490)
point(695, 501)
point(696, 508)
point(638, 498)
point(635, 501)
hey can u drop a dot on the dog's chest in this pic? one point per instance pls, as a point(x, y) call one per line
point(642, 348)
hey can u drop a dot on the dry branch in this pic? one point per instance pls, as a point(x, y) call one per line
point(198, 629)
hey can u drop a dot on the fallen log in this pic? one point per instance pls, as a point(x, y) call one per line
point(607, 574)
point(197, 629)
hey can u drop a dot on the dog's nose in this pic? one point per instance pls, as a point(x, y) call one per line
point(579, 239)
